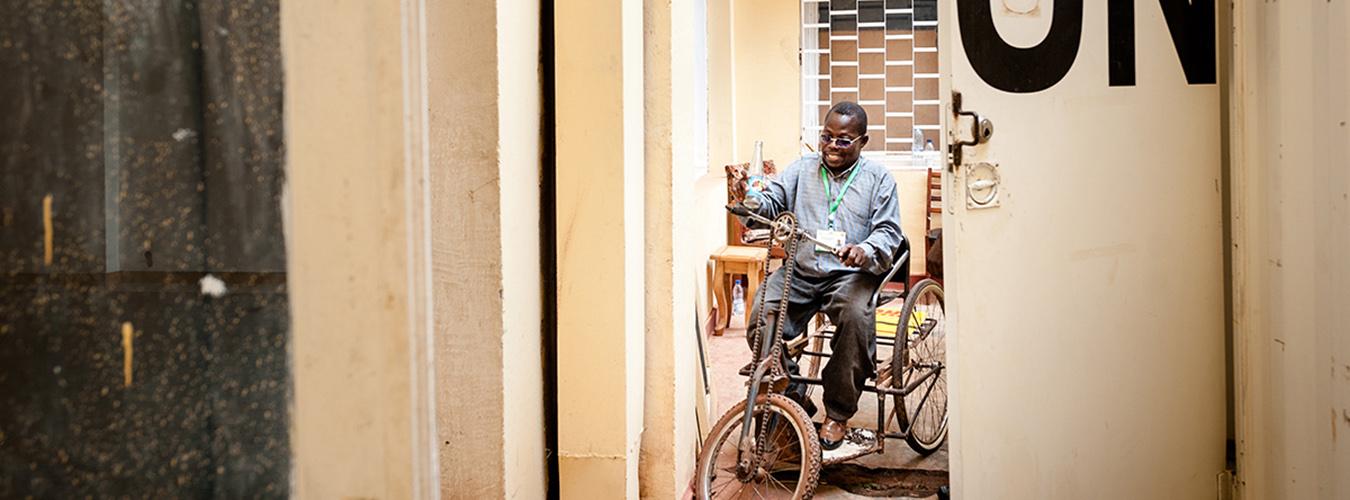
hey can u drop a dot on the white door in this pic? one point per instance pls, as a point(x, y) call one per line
point(1087, 295)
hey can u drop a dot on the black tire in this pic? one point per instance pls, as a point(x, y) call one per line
point(922, 414)
point(797, 465)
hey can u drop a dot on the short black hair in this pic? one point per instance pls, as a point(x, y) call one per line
point(852, 110)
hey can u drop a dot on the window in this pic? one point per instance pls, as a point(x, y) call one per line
point(882, 54)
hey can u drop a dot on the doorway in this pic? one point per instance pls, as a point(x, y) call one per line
point(883, 56)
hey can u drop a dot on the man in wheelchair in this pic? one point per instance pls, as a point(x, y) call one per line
point(849, 202)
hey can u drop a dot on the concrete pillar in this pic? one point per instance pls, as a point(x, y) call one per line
point(356, 260)
point(598, 58)
point(671, 64)
point(484, 114)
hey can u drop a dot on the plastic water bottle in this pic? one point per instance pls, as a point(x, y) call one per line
point(737, 299)
point(755, 183)
point(916, 147)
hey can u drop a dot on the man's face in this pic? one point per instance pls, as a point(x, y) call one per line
point(841, 127)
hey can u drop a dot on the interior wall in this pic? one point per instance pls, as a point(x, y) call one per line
point(1291, 219)
point(598, 51)
point(485, 175)
point(518, 106)
point(671, 74)
point(719, 85)
point(766, 79)
point(466, 201)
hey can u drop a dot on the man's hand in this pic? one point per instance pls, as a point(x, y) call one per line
point(853, 256)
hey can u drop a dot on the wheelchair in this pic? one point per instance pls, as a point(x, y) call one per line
point(770, 448)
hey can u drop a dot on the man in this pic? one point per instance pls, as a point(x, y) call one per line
point(849, 201)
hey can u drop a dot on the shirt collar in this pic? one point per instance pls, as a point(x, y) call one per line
point(843, 173)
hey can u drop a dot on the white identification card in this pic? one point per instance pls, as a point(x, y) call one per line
point(832, 238)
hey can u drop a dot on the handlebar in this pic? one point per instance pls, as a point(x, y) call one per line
point(739, 208)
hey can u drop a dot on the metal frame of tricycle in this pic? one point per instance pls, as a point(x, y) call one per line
point(790, 349)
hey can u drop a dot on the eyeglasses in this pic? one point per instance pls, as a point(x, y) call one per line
point(841, 142)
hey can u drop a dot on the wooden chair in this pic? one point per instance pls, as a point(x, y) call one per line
point(737, 258)
point(735, 230)
point(932, 249)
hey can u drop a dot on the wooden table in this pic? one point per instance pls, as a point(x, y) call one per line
point(734, 260)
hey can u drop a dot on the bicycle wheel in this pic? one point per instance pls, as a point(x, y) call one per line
point(922, 413)
point(789, 467)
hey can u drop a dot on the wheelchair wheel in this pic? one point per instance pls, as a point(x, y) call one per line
point(922, 350)
point(789, 467)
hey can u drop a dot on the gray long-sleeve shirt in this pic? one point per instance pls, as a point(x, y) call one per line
point(869, 213)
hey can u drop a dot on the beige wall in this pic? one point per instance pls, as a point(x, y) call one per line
point(356, 262)
point(406, 269)
point(484, 105)
point(720, 75)
point(518, 105)
point(766, 85)
point(669, 440)
point(754, 85)
point(600, 214)
point(1291, 224)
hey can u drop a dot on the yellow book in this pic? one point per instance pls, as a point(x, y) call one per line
point(888, 318)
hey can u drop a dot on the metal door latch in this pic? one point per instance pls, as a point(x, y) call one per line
point(982, 185)
point(981, 129)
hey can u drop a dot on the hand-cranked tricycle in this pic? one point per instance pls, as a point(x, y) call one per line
point(767, 446)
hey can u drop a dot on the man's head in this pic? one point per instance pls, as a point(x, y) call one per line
point(845, 123)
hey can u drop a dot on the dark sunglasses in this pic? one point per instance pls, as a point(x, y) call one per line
point(841, 142)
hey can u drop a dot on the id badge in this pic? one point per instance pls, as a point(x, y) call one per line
point(832, 238)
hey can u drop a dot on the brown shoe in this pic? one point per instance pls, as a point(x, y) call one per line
point(832, 433)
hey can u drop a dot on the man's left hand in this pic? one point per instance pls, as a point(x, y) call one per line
point(853, 256)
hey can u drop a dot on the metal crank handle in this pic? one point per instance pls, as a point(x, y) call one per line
point(741, 210)
point(744, 211)
point(822, 244)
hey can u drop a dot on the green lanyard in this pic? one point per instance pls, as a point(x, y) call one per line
point(834, 205)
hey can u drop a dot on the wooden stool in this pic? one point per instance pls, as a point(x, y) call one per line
point(734, 260)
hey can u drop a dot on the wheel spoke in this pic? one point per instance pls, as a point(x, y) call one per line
point(782, 448)
point(780, 484)
point(923, 410)
point(715, 489)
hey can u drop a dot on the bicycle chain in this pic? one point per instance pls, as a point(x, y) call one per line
point(787, 222)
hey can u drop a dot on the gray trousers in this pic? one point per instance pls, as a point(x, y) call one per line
point(843, 297)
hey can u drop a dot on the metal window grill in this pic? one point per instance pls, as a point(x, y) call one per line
point(881, 54)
